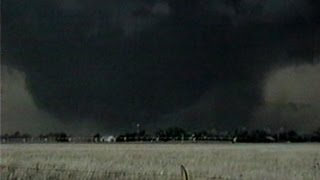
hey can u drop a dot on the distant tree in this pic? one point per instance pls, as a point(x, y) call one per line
point(317, 132)
point(171, 133)
point(131, 136)
point(175, 132)
point(292, 135)
point(201, 135)
point(4, 137)
point(17, 134)
point(241, 133)
point(161, 135)
point(142, 133)
point(316, 135)
point(260, 136)
point(62, 137)
point(26, 135)
point(96, 137)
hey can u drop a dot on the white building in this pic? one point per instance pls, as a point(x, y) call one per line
point(109, 139)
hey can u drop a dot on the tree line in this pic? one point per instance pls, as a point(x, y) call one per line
point(176, 134)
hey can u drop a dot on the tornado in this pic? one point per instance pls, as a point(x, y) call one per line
point(120, 62)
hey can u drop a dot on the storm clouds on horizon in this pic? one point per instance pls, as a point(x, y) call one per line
point(196, 64)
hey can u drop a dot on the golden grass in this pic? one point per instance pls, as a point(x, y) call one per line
point(160, 161)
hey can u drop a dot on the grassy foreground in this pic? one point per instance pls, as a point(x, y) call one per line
point(160, 161)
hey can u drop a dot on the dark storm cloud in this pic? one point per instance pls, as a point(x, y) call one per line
point(120, 62)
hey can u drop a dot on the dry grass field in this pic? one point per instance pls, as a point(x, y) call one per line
point(160, 161)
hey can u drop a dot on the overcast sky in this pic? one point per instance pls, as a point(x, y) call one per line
point(87, 66)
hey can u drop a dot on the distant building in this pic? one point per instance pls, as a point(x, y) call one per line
point(109, 139)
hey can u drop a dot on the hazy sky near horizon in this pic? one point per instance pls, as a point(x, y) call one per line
point(84, 66)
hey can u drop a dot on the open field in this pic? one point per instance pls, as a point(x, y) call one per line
point(160, 161)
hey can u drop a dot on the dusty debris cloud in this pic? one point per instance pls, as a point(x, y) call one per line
point(292, 99)
point(121, 62)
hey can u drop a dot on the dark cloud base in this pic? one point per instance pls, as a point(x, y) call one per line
point(120, 62)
